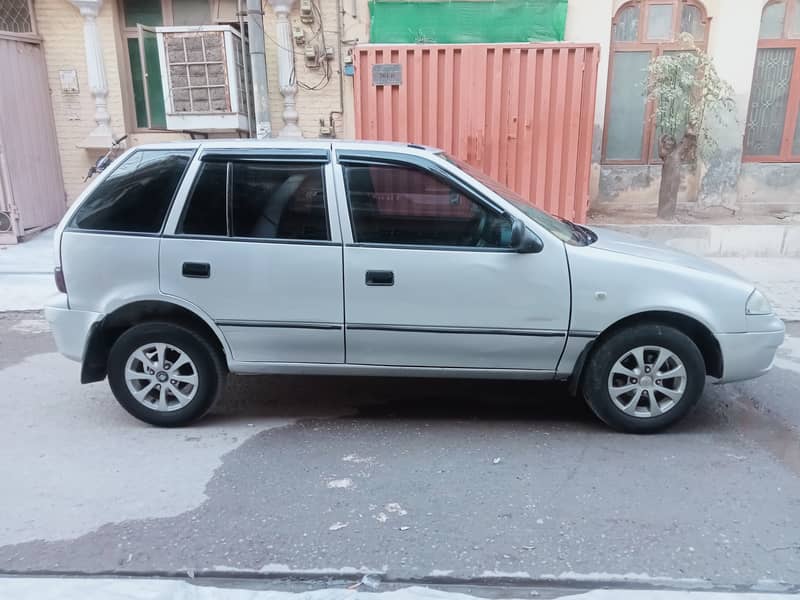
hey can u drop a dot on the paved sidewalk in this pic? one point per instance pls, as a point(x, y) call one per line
point(26, 276)
point(26, 273)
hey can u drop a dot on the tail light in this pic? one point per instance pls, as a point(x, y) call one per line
point(60, 283)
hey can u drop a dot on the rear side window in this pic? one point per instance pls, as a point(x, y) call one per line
point(278, 201)
point(136, 196)
point(259, 200)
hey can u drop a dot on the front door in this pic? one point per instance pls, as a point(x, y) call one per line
point(255, 250)
point(431, 280)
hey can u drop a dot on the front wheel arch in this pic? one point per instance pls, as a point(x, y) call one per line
point(700, 334)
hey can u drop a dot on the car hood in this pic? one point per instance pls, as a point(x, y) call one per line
point(613, 241)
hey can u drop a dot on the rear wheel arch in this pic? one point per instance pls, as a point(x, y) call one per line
point(699, 333)
point(105, 332)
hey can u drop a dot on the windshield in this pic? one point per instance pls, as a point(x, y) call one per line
point(563, 229)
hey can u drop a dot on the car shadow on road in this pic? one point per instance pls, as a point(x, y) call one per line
point(407, 399)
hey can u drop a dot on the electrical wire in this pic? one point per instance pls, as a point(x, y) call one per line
point(327, 74)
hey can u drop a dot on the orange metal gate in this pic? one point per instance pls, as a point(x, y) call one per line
point(523, 113)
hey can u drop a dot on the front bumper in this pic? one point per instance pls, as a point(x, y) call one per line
point(70, 327)
point(751, 354)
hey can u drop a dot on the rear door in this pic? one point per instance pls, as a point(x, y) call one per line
point(431, 280)
point(256, 250)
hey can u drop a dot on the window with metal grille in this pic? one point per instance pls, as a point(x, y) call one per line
point(773, 120)
point(15, 16)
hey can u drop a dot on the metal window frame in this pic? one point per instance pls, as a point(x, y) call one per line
point(24, 36)
point(656, 48)
point(789, 40)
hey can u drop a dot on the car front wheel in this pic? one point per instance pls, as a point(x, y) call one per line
point(165, 374)
point(644, 378)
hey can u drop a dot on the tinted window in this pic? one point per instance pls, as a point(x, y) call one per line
point(405, 205)
point(278, 201)
point(205, 213)
point(137, 195)
point(561, 228)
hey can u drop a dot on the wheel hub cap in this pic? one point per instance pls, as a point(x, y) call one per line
point(647, 381)
point(161, 377)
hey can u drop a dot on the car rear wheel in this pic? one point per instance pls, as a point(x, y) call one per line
point(644, 378)
point(164, 374)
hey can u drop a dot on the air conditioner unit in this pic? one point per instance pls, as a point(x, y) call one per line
point(6, 226)
point(202, 77)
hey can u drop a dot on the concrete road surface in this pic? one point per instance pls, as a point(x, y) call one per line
point(413, 479)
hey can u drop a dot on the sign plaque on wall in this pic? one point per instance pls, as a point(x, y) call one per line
point(388, 74)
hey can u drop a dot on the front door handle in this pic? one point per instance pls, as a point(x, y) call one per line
point(379, 278)
point(196, 270)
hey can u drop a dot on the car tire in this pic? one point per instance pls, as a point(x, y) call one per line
point(165, 374)
point(644, 378)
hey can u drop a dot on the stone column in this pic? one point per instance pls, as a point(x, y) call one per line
point(101, 136)
point(288, 88)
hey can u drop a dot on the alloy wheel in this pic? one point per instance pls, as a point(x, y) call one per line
point(647, 381)
point(161, 377)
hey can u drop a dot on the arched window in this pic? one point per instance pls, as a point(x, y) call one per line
point(641, 30)
point(772, 133)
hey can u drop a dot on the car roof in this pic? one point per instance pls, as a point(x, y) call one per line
point(292, 144)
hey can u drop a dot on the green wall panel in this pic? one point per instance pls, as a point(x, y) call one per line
point(393, 22)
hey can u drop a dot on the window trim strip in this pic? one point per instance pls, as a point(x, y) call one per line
point(433, 247)
point(266, 155)
point(71, 229)
point(222, 238)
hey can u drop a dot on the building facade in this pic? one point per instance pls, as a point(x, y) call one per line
point(159, 70)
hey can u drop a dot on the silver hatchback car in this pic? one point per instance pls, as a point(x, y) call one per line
point(185, 261)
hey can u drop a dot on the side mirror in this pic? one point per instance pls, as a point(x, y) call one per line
point(523, 240)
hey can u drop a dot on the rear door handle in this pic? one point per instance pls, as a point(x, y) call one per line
point(379, 278)
point(196, 270)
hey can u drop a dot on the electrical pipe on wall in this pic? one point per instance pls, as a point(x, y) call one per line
point(258, 68)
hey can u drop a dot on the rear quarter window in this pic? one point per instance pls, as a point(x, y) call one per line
point(136, 195)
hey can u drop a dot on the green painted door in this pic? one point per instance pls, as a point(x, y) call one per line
point(151, 75)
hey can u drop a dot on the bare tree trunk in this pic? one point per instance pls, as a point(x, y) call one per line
point(672, 153)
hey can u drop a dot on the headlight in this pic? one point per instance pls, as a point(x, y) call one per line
point(758, 304)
